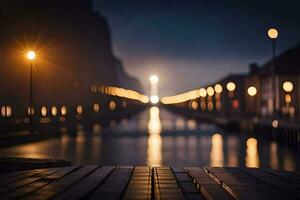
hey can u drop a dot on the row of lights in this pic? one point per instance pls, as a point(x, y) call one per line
point(6, 111)
point(120, 92)
point(218, 89)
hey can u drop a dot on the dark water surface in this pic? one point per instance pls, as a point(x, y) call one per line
point(160, 138)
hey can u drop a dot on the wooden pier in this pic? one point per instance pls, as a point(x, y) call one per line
point(141, 182)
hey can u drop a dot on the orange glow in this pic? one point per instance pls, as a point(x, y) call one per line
point(6, 111)
point(31, 55)
point(288, 98)
point(112, 105)
point(194, 105)
point(275, 123)
point(218, 88)
point(210, 91)
point(231, 86)
point(202, 92)
point(79, 109)
point(124, 93)
point(288, 86)
point(216, 154)
point(183, 97)
point(252, 91)
point(272, 33)
point(44, 111)
point(54, 111)
point(96, 107)
point(30, 111)
point(63, 110)
point(252, 157)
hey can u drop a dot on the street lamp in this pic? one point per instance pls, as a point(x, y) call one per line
point(252, 91)
point(288, 87)
point(273, 34)
point(154, 99)
point(31, 55)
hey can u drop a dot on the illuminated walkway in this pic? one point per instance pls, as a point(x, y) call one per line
point(110, 182)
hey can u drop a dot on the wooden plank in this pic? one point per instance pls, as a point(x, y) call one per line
point(237, 189)
point(87, 185)
point(165, 184)
point(32, 187)
point(139, 186)
point(263, 189)
point(19, 176)
point(288, 189)
point(209, 188)
point(186, 184)
point(114, 186)
point(23, 182)
point(61, 184)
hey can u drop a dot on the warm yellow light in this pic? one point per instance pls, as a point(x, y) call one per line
point(154, 99)
point(252, 91)
point(44, 111)
point(210, 91)
point(96, 107)
point(54, 111)
point(63, 110)
point(275, 123)
point(79, 109)
point(202, 92)
point(288, 86)
point(31, 55)
point(230, 86)
point(288, 98)
point(272, 33)
point(112, 105)
point(153, 79)
point(218, 88)
point(194, 105)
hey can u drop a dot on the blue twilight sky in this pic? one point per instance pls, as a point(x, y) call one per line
point(189, 43)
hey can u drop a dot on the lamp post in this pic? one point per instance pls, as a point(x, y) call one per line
point(31, 55)
point(273, 34)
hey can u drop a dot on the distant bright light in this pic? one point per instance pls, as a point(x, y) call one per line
point(202, 92)
point(153, 79)
point(252, 91)
point(288, 86)
point(218, 88)
point(154, 99)
point(272, 33)
point(230, 86)
point(275, 123)
point(31, 55)
point(210, 91)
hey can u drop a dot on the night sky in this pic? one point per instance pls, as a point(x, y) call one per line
point(191, 43)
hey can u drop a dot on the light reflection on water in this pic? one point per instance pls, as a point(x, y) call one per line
point(158, 139)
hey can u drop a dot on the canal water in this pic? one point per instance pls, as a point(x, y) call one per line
point(157, 137)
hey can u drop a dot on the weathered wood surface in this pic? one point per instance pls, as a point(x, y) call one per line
point(142, 182)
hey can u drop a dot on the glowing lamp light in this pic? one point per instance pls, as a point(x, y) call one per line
point(275, 123)
point(230, 86)
point(154, 99)
point(153, 79)
point(202, 92)
point(31, 55)
point(288, 86)
point(210, 91)
point(252, 91)
point(218, 88)
point(272, 33)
